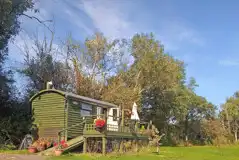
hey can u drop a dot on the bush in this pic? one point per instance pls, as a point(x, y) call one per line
point(215, 133)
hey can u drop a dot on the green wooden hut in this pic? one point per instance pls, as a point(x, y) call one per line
point(55, 110)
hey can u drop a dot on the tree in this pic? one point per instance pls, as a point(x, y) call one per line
point(214, 132)
point(120, 92)
point(230, 114)
point(192, 109)
point(41, 67)
point(94, 62)
point(10, 10)
point(159, 73)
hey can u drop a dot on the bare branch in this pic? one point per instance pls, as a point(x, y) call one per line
point(40, 21)
point(33, 17)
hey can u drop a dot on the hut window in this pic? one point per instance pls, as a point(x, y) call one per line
point(85, 106)
point(114, 114)
point(85, 113)
point(86, 109)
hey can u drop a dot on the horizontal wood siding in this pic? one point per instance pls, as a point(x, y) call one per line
point(49, 114)
point(74, 118)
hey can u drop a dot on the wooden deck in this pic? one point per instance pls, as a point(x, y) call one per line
point(126, 132)
point(114, 131)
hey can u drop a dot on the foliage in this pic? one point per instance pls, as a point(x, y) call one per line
point(61, 145)
point(119, 92)
point(215, 132)
point(230, 114)
point(10, 10)
point(94, 61)
point(14, 119)
point(14, 126)
point(43, 143)
point(41, 67)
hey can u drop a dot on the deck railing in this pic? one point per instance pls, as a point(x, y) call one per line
point(115, 128)
point(131, 127)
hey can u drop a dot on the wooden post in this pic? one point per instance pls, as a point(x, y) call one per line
point(104, 141)
point(136, 145)
point(66, 120)
point(121, 145)
point(85, 145)
point(136, 126)
point(122, 124)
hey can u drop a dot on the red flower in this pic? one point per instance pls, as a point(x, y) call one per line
point(100, 123)
point(64, 145)
point(61, 145)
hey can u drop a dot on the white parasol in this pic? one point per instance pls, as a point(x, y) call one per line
point(135, 115)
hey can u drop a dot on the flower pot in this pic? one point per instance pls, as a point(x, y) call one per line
point(32, 149)
point(41, 148)
point(58, 152)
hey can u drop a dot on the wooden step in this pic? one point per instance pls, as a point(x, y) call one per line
point(72, 144)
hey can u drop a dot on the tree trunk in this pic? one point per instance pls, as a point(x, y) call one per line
point(235, 136)
point(186, 128)
point(228, 122)
point(236, 129)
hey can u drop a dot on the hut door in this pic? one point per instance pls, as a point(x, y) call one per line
point(113, 119)
point(99, 112)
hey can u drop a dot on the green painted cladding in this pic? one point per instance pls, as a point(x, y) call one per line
point(49, 113)
point(74, 117)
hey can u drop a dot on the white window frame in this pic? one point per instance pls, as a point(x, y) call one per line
point(98, 111)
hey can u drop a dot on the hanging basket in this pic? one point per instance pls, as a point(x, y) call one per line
point(99, 124)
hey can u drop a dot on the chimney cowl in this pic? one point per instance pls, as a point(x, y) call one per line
point(49, 85)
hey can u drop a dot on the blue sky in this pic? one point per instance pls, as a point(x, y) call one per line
point(205, 34)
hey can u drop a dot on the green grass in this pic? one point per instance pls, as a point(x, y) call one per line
point(14, 151)
point(167, 153)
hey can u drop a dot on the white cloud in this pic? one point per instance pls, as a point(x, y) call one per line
point(176, 35)
point(77, 21)
point(109, 18)
point(112, 19)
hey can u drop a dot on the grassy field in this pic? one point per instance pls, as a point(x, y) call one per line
point(167, 153)
point(14, 151)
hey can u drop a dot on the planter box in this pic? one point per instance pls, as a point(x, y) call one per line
point(32, 149)
point(58, 152)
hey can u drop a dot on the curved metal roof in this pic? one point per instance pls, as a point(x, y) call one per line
point(77, 97)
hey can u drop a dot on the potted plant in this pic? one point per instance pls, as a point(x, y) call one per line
point(49, 143)
point(60, 147)
point(41, 145)
point(99, 124)
point(33, 148)
point(142, 130)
